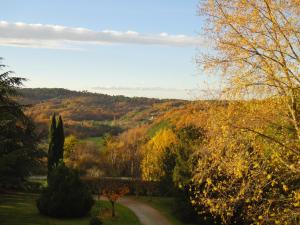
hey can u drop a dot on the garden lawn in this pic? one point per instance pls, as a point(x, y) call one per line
point(165, 206)
point(20, 209)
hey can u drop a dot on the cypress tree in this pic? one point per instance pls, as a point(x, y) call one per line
point(52, 137)
point(56, 142)
point(64, 185)
point(60, 139)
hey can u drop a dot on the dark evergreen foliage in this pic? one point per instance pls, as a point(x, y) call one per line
point(18, 142)
point(66, 195)
point(56, 142)
point(189, 137)
point(95, 221)
point(183, 208)
point(166, 182)
point(52, 136)
point(186, 212)
point(60, 139)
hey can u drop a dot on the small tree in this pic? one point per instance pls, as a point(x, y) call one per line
point(69, 147)
point(113, 192)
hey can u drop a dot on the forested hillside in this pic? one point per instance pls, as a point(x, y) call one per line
point(91, 114)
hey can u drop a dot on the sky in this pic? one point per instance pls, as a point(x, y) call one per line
point(133, 47)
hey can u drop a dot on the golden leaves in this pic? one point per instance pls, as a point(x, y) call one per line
point(252, 149)
point(153, 154)
point(238, 164)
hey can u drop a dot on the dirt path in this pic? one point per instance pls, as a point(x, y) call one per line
point(146, 214)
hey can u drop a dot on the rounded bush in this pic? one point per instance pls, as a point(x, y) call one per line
point(95, 221)
point(65, 195)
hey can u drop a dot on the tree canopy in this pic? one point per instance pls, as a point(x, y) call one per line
point(18, 152)
point(248, 167)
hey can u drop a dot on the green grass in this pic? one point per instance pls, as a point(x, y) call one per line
point(40, 181)
point(20, 209)
point(161, 125)
point(99, 141)
point(165, 206)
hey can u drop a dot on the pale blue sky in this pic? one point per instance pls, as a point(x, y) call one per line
point(144, 61)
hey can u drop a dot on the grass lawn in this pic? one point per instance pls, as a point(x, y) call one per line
point(20, 209)
point(165, 206)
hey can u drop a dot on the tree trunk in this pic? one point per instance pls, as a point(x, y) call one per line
point(113, 213)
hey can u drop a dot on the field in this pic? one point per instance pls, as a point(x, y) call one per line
point(20, 209)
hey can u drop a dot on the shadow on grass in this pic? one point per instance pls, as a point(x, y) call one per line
point(20, 209)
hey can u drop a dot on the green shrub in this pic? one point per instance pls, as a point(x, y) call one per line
point(95, 221)
point(66, 195)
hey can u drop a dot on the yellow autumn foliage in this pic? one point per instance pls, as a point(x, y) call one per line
point(252, 150)
point(240, 164)
point(153, 151)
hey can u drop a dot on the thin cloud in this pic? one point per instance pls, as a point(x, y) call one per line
point(160, 92)
point(122, 88)
point(55, 36)
point(150, 92)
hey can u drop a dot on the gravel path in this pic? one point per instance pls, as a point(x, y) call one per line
point(146, 214)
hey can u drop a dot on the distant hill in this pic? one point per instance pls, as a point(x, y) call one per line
point(91, 114)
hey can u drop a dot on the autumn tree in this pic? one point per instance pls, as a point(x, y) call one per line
point(113, 192)
point(69, 147)
point(123, 153)
point(112, 157)
point(241, 176)
point(86, 158)
point(154, 152)
point(257, 50)
point(248, 170)
point(132, 141)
